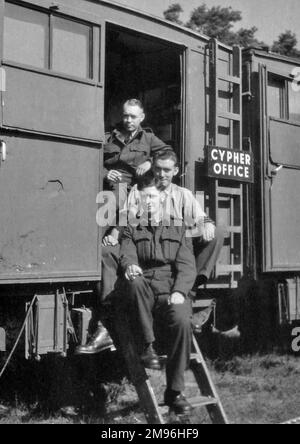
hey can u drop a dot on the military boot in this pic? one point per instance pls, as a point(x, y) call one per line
point(99, 342)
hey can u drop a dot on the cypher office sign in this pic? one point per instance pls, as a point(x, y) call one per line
point(230, 164)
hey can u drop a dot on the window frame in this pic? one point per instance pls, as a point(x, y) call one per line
point(285, 105)
point(96, 46)
point(283, 102)
point(289, 87)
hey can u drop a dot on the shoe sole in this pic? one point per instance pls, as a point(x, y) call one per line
point(110, 347)
point(158, 368)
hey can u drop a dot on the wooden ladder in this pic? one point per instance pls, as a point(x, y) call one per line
point(154, 414)
point(225, 115)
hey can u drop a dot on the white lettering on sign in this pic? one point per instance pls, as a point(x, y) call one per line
point(214, 154)
point(230, 164)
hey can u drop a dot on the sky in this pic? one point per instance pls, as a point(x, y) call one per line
point(271, 17)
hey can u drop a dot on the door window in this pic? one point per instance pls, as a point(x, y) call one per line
point(294, 103)
point(283, 99)
point(276, 105)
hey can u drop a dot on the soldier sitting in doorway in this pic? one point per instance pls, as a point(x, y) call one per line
point(128, 155)
point(158, 264)
point(180, 202)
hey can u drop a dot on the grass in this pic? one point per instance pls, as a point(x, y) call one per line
point(259, 389)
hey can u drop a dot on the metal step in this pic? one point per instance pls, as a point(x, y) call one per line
point(194, 357)
point(202, 401)
point(196, 402)
point(230, 79)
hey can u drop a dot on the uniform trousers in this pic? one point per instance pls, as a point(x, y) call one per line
point(206, 254)
point(151, 315)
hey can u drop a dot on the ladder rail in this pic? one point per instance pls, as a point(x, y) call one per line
point(233, 116)
point(154, 414)
point(126, 344)
point(207, 387)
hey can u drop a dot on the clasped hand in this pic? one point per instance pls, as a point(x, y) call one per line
point(134, 271)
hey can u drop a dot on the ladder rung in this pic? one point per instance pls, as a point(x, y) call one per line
point(230, 116)
point(202, 401)
point(231, 79)
point(230, 191)
point(230, 268)
point(237, 230)
point(196, 357)
point(203, 303)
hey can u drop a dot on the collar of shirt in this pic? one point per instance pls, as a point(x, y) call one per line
point(168, 192)
point(122, 137)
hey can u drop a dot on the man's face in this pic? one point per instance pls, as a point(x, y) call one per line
point(164, 172)
point(133, 116)
point(150, 200)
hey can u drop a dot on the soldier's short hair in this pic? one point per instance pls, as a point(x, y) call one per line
point(145, 181)
point(166, 155)
point(134, 102)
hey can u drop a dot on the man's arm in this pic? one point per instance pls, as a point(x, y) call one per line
point(195, 217)
point(185, 266)
point(128, 252)
point(157, 145)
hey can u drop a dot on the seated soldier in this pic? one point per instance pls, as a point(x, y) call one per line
point(128, 155)
point(159, 268)
point(180, 203)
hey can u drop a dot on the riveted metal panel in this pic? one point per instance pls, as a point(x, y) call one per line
point(42, 103)
point(48, 211)
point(285, 143)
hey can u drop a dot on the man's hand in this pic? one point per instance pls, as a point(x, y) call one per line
point(114, 176)
point(143, 168)
point(177, 299)
point(132, 272)
point(209, 232)
point(109, 241)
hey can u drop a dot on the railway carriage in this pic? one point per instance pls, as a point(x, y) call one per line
point(232, 117)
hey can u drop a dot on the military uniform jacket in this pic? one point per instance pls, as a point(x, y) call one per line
point(126, 156)
point(165, 255)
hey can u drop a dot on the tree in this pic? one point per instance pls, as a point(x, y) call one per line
point(286, 44)
point(173, 13)
point(216, 22)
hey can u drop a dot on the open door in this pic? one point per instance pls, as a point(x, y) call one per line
point(281, 129)
point(150, 69)
point(52, 130)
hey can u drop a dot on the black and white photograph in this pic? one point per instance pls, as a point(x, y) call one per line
point(149, 214)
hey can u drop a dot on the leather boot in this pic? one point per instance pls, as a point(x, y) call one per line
point(177, 402)
point(150, 359)
point(100, 341)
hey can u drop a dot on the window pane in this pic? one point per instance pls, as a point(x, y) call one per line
point(294, 104)
point(26, 36)
point(275, 98)
point(71, 48)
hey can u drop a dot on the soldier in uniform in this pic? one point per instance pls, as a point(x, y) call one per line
point(180, 203)
point(159, 268)
point(128, 155)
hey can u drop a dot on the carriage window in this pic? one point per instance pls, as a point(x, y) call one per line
point(294, 103)
point(276, 101)
point(26, 36)
point(71, 48)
